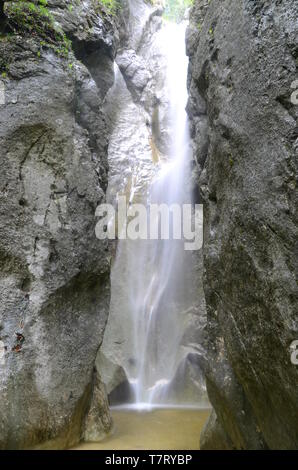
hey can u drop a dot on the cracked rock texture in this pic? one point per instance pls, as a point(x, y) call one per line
point(55, 287)
point(243, 57)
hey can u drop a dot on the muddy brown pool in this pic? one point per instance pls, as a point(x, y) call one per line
point(171, 429)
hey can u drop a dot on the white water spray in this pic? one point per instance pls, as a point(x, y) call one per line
point(153, 292)
point(158, 283)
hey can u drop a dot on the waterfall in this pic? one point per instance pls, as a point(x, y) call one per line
point(154, 281)
point(159, 274)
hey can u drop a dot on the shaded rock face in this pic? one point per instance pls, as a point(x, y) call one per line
point(244, 127)
point(93, 35)
point(55, 287)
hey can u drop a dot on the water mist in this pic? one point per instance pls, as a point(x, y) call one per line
point(153, 298)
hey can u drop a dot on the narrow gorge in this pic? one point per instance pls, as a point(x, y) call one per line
point(149, 160)
point(114, 340)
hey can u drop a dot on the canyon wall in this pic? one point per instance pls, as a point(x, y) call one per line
point(243, 58)
point(57, 66)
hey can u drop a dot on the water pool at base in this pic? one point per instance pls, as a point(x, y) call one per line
point(171, 429)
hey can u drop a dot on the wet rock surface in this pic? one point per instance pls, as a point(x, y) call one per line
point(55, 286)
point(139, 117)
point(244, 128)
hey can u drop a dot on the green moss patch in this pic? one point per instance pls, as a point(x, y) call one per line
point(33, 19)
point(110, 7)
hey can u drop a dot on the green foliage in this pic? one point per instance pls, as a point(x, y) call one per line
point(175, 9)
point(231, 160)
point(109, 6)
point(33, 19)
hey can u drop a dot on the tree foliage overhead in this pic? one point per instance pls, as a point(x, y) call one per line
point(175, 9)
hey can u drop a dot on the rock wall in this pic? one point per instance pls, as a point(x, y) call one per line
point(55, 287)
point(244, 126)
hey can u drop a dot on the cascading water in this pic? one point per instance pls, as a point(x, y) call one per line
point(153, 297)
point(159, 288)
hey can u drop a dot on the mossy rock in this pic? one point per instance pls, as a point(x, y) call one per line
point(33, 19)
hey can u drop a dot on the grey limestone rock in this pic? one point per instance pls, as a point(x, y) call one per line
point(243, 60)
point(55, 273)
